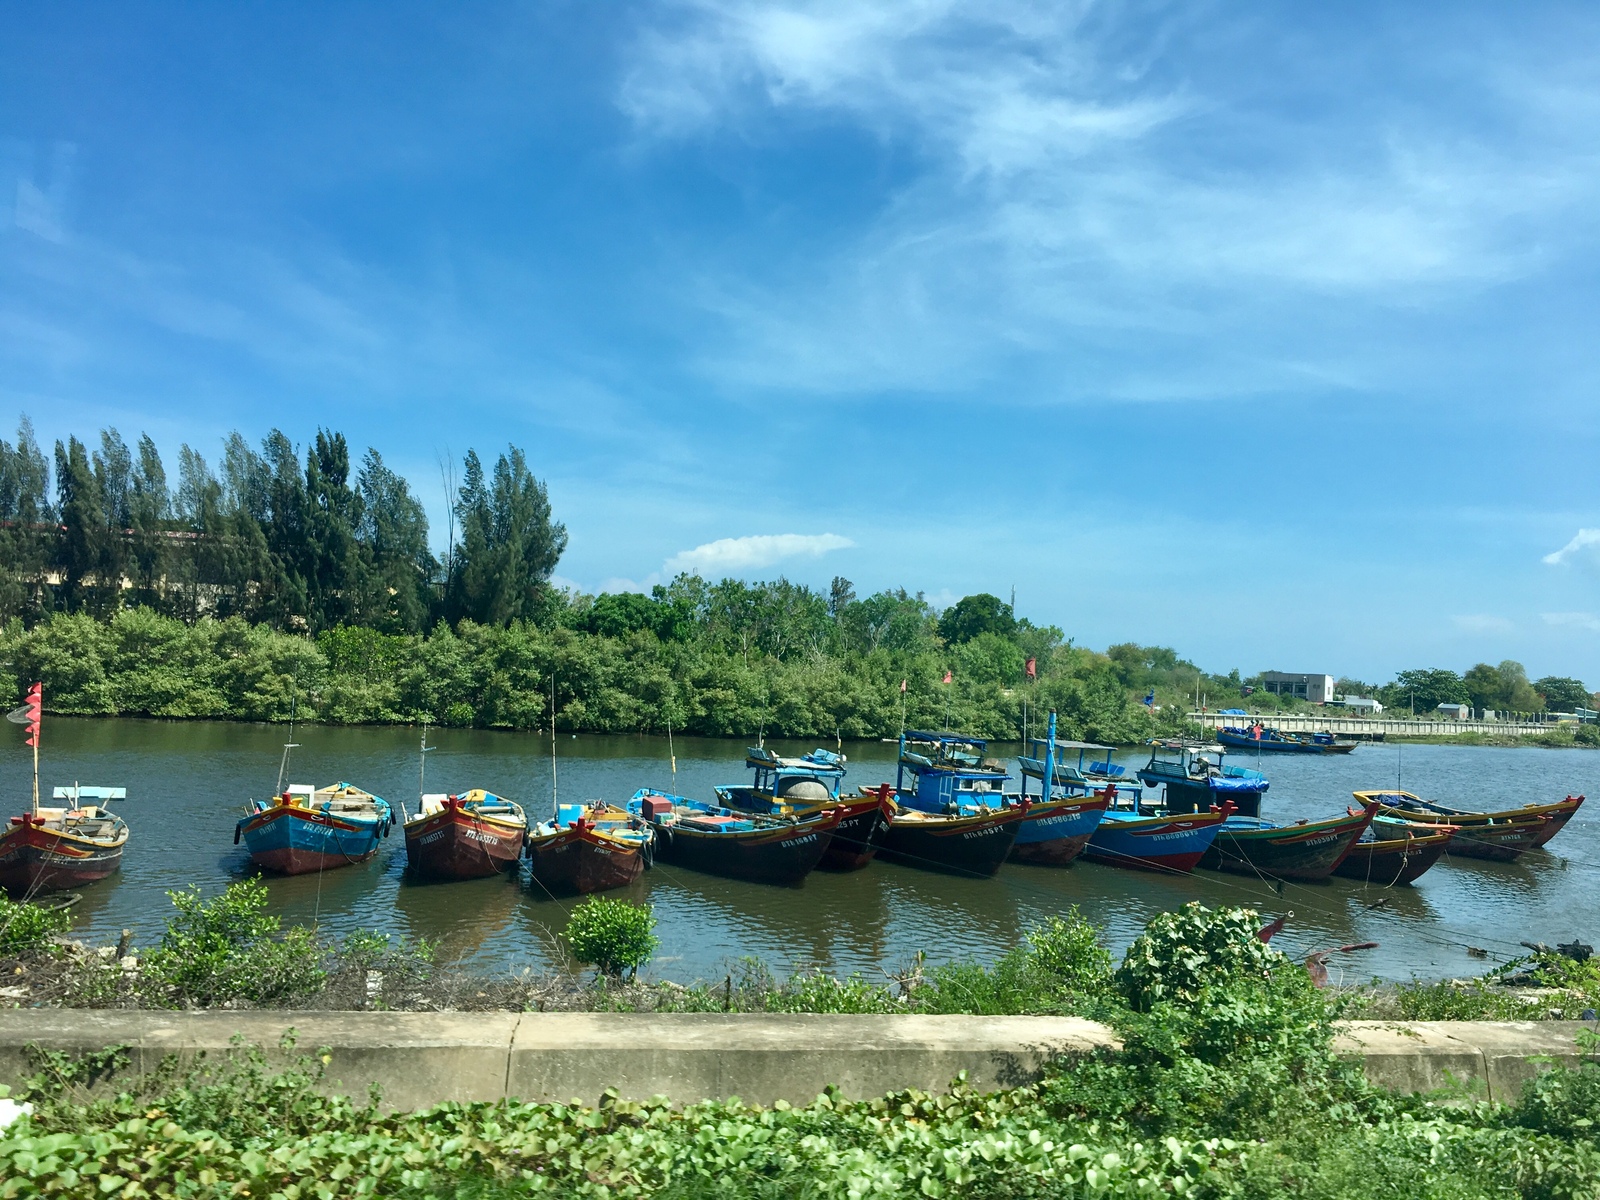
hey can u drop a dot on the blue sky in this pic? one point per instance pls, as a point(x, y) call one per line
point(1266, 332)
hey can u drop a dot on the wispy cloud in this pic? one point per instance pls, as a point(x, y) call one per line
point(733, 555)
point(1071, 179)
point(1585, 540)
point(1572, 620)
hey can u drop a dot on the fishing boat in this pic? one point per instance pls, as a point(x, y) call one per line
point(1058, 827)
point(588, 848)
point(1195, 778)
point(1085, 778)
point(470, 836)
point(954, 814)
point(739, 845)
point(1500, 836)
point(810, 784)
point(54, 848)
point(1395, 861)
point(1265, 740)
point(1306, 851)
point(305, 828)
point(1147, 840)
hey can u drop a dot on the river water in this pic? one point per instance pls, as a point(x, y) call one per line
point(187, 783)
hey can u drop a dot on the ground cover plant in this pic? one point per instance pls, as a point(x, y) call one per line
point(1226, 1087)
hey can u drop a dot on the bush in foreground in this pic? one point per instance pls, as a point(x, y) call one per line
point(612, 935)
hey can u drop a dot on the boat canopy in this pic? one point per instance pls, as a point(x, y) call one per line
point(101, 794)
point(946, 739)
point(1062, 744)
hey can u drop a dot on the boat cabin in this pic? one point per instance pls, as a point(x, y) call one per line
point(949, 774)
point(1089, 775)
point(1195, 778)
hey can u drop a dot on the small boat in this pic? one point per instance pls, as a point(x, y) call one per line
point(1169, 842)
point(955, 815)
point(589, 848)
point(1057, 828)
point(471, 836)
point(1500, 836)
point(1265, 740)
point(1307, 851)
point(1196, 779)
point(305, 828)
point(723, 841)
point(1395, 861)
point(811, 784)
point(48, 849)
point(56, 849)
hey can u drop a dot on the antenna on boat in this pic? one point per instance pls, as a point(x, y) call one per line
point(422, 772)
point(291, 744)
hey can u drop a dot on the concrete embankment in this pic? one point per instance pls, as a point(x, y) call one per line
point(421, 1059)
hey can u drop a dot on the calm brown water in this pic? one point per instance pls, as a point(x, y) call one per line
point(187, 783)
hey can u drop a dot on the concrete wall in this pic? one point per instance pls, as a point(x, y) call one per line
point(1388, 726)
point(421, 1059)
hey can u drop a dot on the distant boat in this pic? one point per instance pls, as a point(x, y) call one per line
point(1195, 778)
point(589, 848)
point(305, 829)
point(1306, 851)
point(954, 815)
point(1501, 836)
point(54, 848)
point(723, 841)
point(471, 836)
point(811, 784)
point(1395, 861)
point(1265, 740)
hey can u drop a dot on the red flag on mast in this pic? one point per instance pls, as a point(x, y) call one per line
point(946, 677)
point(28, 714)
point(1033, 668)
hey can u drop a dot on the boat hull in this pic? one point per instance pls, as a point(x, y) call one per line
point(1499, 841)
point(1394, 862)
point(34, 859)
point(1307, 853)
point(1055, 832)
point(289, 840)
point(784, 854)
point(1556, 819)
point(1171, 844)
point(972, 845)
point(862, 824)
point(1499, 836)
point(458, 844)
point(581, 861)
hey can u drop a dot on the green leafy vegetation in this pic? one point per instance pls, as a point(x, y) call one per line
point(30, 930)
point(612, 935)
point(1226, 1087)
point(1546, 985)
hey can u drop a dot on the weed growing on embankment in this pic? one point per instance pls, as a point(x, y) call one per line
point(1226, 1088)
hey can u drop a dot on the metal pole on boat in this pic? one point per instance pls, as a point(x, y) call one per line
point(36, 762)
point(900, 762)
point(422, 773)
point(554, 803)
point(1049, 759)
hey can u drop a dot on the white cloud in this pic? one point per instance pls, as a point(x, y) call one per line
point(1584, 539)
point(1573, 620)
point(1067, 176)
point(733, 555)
point(1482, 623)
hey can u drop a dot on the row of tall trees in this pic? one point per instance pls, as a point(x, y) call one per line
point(1502, 688)
point(293, 540)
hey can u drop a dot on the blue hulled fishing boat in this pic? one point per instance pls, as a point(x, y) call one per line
point(778, 848)
point(1085, 778)
point(811, 783)
point(1196, 779)
point(1066, 814)
point(304, 828)
point(1266, 740)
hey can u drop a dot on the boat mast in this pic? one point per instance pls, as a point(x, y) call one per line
point(555, 804)
point(283, 764)
point(1050, 761)
point(422, 772)
point(39, 727)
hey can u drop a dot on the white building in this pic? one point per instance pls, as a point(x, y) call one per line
point(1362, 704)
point(1318, 689)
point(1456, 712)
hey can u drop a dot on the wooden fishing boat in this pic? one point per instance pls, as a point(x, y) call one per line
point(589, 848)
point(1194, 778)
point(1087, 777)
point(1172, 843)
point(305, 829)
point(1394, 861)
point(809, 785)
point(1307, 851)
point(738, 845)
point(974, 842)
point(49, 849)
point(1262, 739)
point(1500, 836)
point(54, 849)
point(471, 836)
point(1059, 826)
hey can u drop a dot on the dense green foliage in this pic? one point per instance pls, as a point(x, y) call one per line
point(298, 543)
point(612, 935)
point(1232, 1092)
point(28, 929)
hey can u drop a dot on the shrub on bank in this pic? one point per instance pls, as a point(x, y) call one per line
point(612, 935)
point(29, 930)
